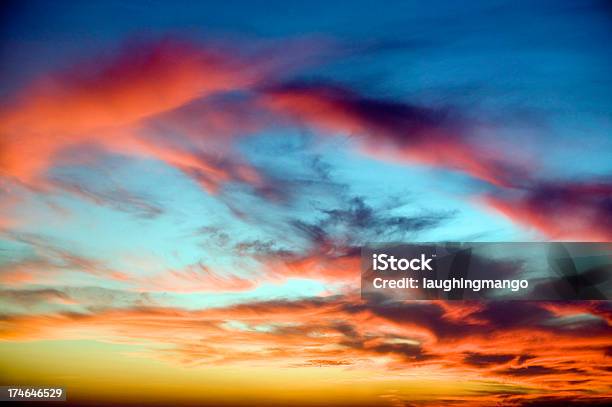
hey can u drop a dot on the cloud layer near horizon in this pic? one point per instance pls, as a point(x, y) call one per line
point(503, 342)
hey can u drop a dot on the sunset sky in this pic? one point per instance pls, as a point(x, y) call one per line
point(185, 188)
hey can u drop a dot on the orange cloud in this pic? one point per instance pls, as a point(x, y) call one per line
point(521, 345)
point(318, 265)
point(104, 103)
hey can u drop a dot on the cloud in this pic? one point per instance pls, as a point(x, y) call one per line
point(27, 301)
point(113, 196)
point(484, 360)
point(185, 104)
point(141, 81)
point(573, 399)
point(538, 370)
point(46, 261)
point(103, 104)
point(391, 130)
point(523, 357)
point(32, 297)
point(195, 278)
point(331, 249)
point(351, 332)
point(560, 211)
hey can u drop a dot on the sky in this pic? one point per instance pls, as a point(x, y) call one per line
point(185, 188)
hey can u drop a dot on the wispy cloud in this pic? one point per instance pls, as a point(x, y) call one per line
point(561, 210)
point(102, 103)
point(391, 130)
point(494, 340)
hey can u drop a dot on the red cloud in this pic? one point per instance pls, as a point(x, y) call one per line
point(390, 130)
point(104, 103)
point(569, 211)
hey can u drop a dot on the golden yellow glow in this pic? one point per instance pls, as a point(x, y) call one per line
point(115, 372)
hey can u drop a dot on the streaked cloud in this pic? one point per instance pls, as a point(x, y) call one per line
point(391, 130)
point(198, 198)
point(495, 340)
point(563, 210)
